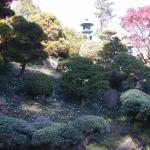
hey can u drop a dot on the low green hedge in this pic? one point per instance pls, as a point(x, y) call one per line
point(19, 134)
point(64, 135)
point(39, 84)
point(136, 104)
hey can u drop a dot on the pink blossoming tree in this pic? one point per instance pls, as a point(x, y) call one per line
point(137, 24)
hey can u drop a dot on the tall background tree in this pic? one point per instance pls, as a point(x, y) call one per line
point(75, 39)
point(137, 24)
point(55, 42)
point(104, 12)
point(26, 8)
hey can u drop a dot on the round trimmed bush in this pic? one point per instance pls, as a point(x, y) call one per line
point(136, 104)
point(39, 84)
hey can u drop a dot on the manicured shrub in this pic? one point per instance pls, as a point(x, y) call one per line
point(62, 136)
point(39, 84)
point(82, 78)
point(136, 104)
point(14, 132)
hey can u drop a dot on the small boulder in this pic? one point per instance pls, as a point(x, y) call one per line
point(111, 97)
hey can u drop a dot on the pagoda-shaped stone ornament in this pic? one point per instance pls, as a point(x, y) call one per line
point(87, 31)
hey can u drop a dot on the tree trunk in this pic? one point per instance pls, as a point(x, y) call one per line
point(22, 69)
point(82, 103)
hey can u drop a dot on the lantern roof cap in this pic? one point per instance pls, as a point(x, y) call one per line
point(87, 22)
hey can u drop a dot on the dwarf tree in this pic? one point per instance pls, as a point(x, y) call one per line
point(25, 46)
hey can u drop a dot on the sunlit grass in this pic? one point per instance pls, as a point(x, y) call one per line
point(33, 108)
point(147, 147)
point(121, 118)
point(110, 142)
point(97, 147)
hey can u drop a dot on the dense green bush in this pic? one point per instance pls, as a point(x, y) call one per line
point(14, 132)
point(82, 78)
point(136, 104)
point(131, 70)
point(65, 135)
point(39, 84)
point(127, 64)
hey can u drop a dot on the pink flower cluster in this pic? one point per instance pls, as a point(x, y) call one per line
point(137, 24)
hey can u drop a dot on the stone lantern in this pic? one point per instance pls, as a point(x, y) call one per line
point(87, 31)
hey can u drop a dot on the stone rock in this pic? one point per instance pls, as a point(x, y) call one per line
point(15, 68)
point(111, 98)
point(51, 63)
